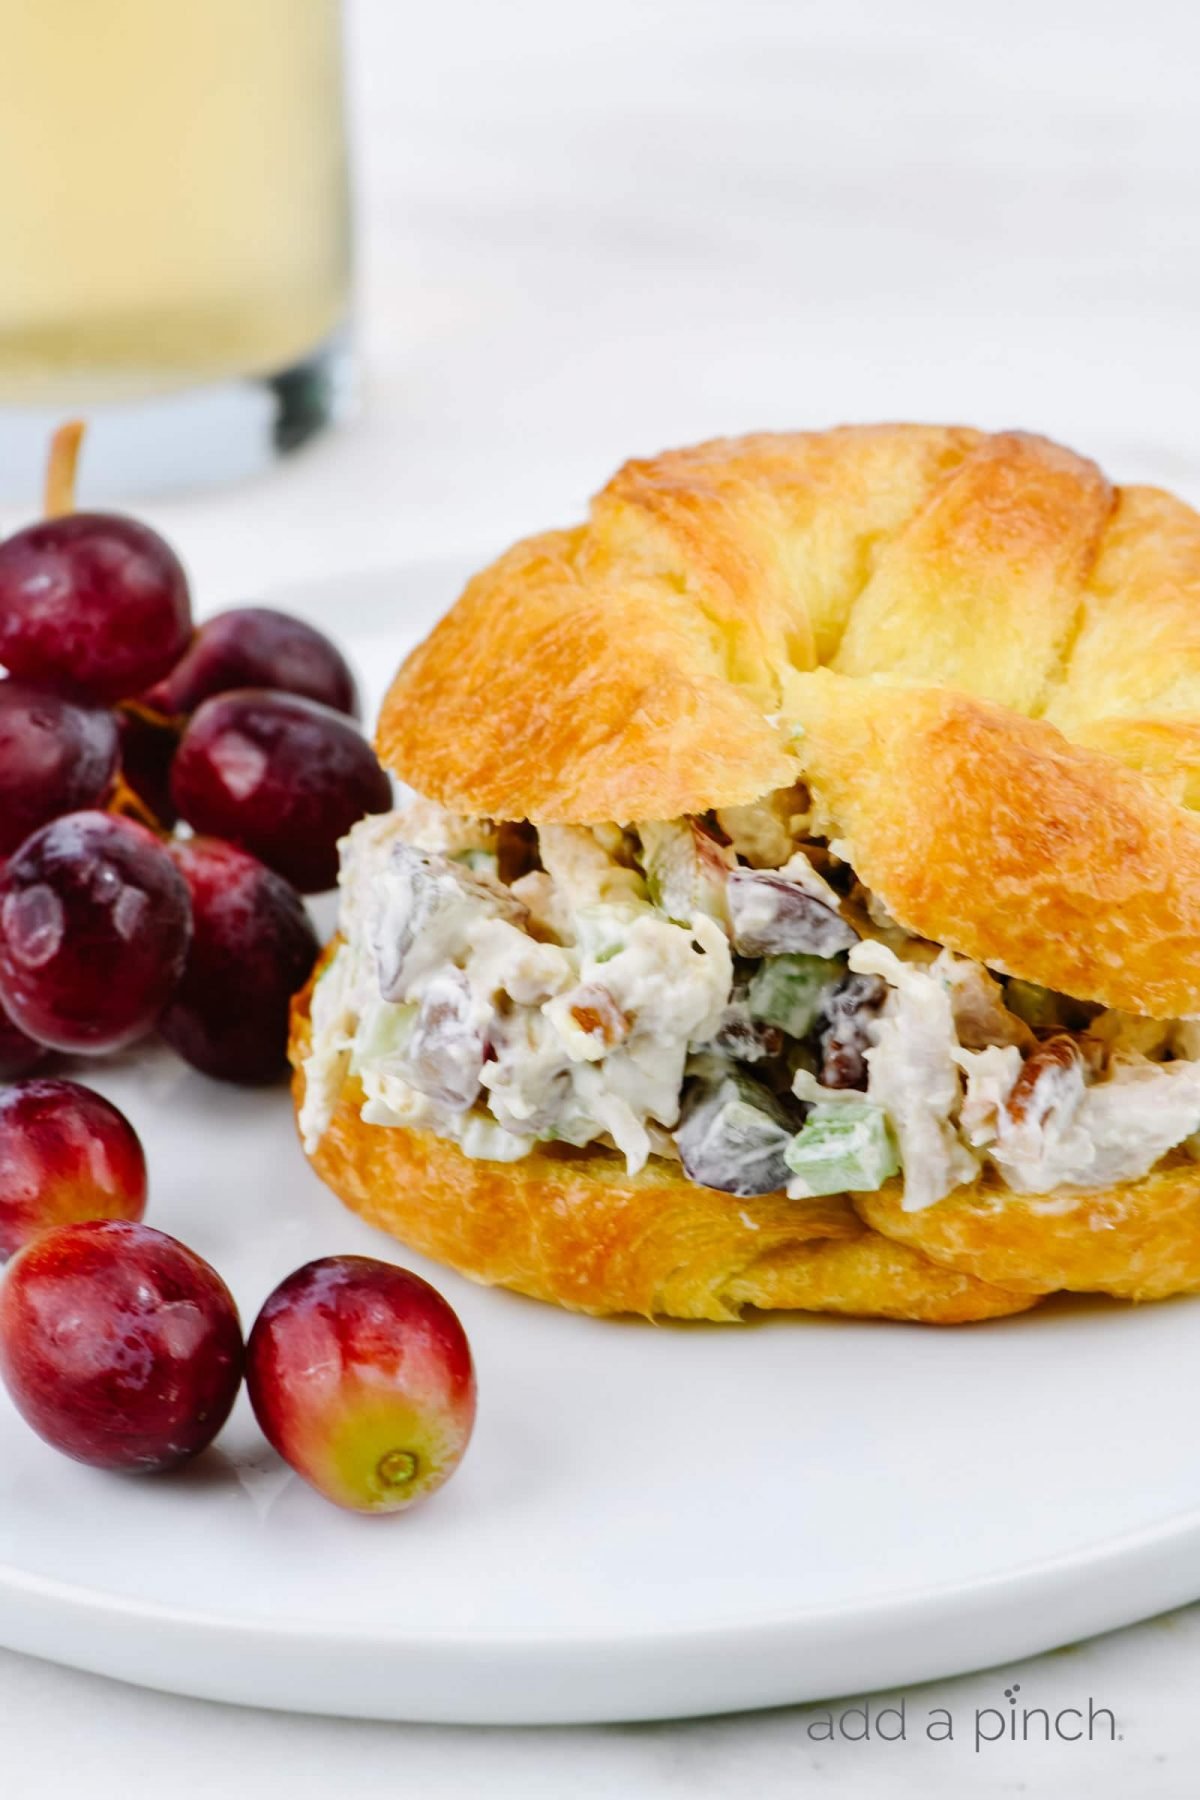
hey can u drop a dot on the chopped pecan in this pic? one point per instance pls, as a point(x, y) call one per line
point(597, 1015)
point(1051, 1078)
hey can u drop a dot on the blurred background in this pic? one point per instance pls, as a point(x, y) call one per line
point(585, 232)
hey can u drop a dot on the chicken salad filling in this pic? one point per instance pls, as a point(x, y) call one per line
point(721, 991)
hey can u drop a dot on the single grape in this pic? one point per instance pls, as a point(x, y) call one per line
point(360, 1375)
point(118, 1345)
point(257, 647)
point(772, 915)
point(18, 1053)
point(92, 602)
point(94, 929)
point(282, 777)
point(148, 747)
point(56, 756)
point(733, 1132)
point(65, 1154)
point(253, 947)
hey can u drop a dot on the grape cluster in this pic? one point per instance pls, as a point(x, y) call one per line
point(118, 721)
point(119, 1345)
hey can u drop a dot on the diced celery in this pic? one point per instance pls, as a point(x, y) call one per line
point(383, 1032)
point(842, 1148)
point(1045, 1010)
point(786, 990)
point(480, 862)
point(1036, 1005)
point(669, 860)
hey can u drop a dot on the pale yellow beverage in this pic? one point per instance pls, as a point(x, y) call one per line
point(173, 193)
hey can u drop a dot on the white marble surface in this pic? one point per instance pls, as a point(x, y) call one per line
point(592, 230)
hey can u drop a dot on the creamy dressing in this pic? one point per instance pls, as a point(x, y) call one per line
point(586, 1000)
point(946, 1021)
point(458, 1020)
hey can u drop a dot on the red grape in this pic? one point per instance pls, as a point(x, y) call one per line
point(360, 1375)
point(253, 946)
point(92, 602)
point(119, 1346)
point(56, 756)
point(65, 1154)
point(282, 777)
point(94, 929)
point(257, 647)
point(18, 1053)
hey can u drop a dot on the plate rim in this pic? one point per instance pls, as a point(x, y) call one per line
point(1143, 1540)
point(674, 1673)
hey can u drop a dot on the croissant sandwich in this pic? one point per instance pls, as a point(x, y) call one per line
point(799, 901)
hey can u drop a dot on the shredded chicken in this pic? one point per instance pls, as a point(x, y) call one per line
point(1056, 1131)
point(658, 988)
point(912, 1075)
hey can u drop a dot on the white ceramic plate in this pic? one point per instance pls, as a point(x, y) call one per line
point(651, 1521)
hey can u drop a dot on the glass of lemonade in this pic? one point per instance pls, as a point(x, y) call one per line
point(174, 233)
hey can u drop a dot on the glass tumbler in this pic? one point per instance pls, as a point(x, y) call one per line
point(175, 248)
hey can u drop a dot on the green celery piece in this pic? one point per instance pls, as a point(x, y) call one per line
point(480, 862)
point(786, 990)
point(1036, 1005)
point(382, 1033)
point(669, 860)
point(843, 1147)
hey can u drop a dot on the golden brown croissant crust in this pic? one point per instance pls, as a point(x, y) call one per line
point(575, 1229)
point(984, 661)
point(982, 658)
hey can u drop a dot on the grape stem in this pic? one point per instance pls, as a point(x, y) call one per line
point(128, 805)
point(61, 468)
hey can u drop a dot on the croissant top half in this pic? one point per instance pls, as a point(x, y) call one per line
point(982, 658)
